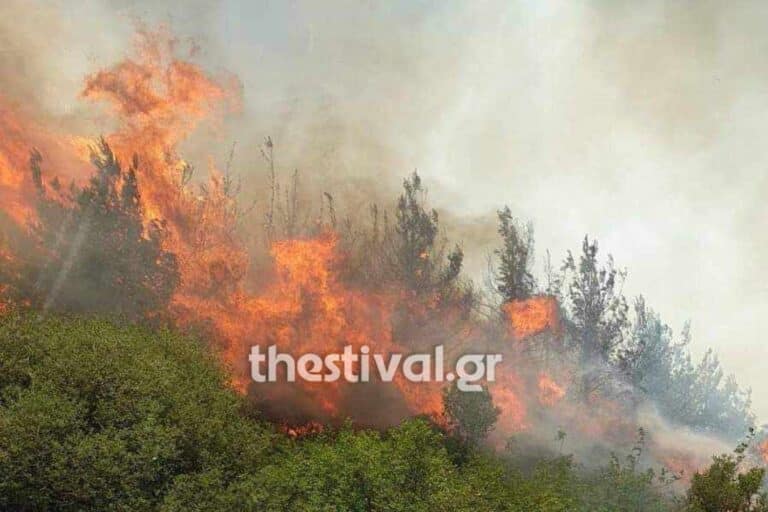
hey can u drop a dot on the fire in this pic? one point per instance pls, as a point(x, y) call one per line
point(302, 304)
point(508, 395)
point(309, 429)
point(16, 192)
point(158, 100)
point(532, 316)
point(550, 392)
point(306, 309)
point(20, 134)
point(763, 448)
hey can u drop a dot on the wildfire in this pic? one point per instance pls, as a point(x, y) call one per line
point(532, 316)
point(158, 100)
point(308, 429)
point(302, 304)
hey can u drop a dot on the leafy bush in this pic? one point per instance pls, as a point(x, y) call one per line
point(95, 416)
point(100, 416)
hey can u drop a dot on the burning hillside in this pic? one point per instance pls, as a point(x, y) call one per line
point(145, 227)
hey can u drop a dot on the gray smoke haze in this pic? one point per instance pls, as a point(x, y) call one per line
point(639, 123)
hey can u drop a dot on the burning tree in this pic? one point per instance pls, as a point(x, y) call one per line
point(97, 254)
point(416, 254)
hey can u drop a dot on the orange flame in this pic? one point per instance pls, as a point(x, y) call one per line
point(763, 449)
point(19, 136)
point(532, 316)
point(508, 394)
point(550, 392)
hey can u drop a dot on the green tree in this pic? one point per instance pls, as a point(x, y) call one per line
point(598, 311)
point(696, 395)
point(470, 414)
point(726, 487)
point(97, 416)
point(625, 486)
point(418, 253)
point(514, 280)
point(404, 469)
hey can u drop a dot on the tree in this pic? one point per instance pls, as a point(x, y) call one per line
point(713, 401)
point(403, 469)
point(98, 253)
point(98, 416)
point(649, 355)
point(514, 280)
point(725, 486)
point(470, 415)
point(625, 486)
point(418, 253)
point(598, 310)
point(695, 395)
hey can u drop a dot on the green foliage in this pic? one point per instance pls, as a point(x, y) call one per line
point(728, 487)
point(97, 255)
point(417, 230)
point(721, 487)
point(95, 416)
point(597, 315)
point(98, 416)
point(625, 486)
point(418, 253)
point(405, 470)
point(470, 415)
point(514, 280)
point(650, 357)
point(695, 395)
point(598, 309)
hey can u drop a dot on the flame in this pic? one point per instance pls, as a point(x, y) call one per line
point(508, 395)
point(309, 429)
point(532, 316)
point(158, 100)
point(16, 193)
point(20, 134)
point(550, 392)
point(307, 309)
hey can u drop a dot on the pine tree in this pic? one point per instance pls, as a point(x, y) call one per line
point(418, 254)
point(598, 309)
point(514, 280)
point(598, 313)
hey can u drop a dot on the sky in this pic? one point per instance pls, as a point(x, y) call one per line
point(639, 123)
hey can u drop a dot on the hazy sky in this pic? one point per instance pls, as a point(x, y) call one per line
point(641, 123)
